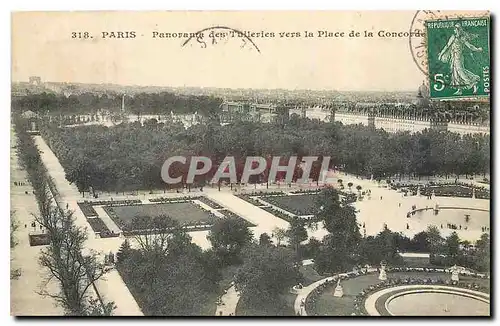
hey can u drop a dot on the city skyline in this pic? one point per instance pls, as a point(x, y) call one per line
point(43, 81)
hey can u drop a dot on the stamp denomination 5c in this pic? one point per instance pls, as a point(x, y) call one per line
point(458, 57)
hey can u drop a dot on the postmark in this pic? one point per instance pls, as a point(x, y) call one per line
point(221, 35)
point(418, 40)
point(458, 57)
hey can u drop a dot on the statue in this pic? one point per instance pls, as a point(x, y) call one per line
point(454, 273)
point(383, 274)
point(339, 291)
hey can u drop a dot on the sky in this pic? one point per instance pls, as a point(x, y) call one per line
point(42, 45)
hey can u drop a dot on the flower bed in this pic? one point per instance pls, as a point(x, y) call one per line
point(98, 225)
point(482, 194)
point(209, 202)
point(87, 209)
point(113, 202)
point(250, 200)
point(266, 193)
point(167, 200)
point(448, 189)
point(187, 228)
point(39, 239)
point(306, 191)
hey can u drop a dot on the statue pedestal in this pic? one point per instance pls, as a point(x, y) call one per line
point(383, 275)
point(339, 291)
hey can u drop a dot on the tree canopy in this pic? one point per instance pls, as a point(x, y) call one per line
point(130, 156)
point(228, 237)
point(266, 273)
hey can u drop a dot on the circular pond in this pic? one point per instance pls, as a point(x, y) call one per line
point(432, 303)
point(461, 218)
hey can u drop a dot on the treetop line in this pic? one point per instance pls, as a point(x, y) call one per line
point(254, 166)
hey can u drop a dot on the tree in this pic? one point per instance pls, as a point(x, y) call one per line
point(228, 237)
point(174, 284)
point(280, 234)
point(266, 273)
point(357, 149)
point(434, 239)
point(340, 246)
point(96, 308)
point(265, 239)
point(123, 252)
point(452, 247)
point(483, 254)
point(296, 232)
point(420, 242)
point(155, 232)
point(63, 258)
point(384, 246)
point(312, 248)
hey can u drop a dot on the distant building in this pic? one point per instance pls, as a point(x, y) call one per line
point(423, 98)
point(35, 80)
point(256, 112)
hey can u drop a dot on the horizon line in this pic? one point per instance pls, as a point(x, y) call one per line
point(220, 88)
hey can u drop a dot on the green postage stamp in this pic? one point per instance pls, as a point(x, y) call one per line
point(458, 54)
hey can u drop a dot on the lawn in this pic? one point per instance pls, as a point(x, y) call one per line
point(185, 213)
point(296, 204)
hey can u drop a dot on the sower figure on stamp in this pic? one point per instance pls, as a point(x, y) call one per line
point(453, 54)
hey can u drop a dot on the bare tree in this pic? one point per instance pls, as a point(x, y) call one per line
point(279, 234)
point(153, 234)
point(75, 272)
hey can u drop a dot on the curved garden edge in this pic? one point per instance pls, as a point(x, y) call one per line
point(299, 304)
point(370, 302)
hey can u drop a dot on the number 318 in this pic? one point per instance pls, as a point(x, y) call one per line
point(80, 35)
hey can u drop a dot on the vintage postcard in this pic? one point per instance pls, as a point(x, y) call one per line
point(257, 163)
